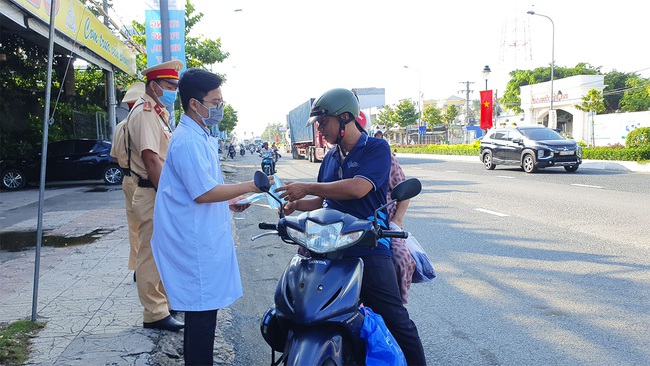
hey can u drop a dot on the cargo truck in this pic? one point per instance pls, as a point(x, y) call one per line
point(306, 141)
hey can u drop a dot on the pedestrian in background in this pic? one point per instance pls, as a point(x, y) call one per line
point(402, 258)
point(120, 153)
point(192, 241)
point(148, 134)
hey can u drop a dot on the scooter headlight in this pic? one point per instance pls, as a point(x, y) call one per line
point(296, 235)
point(324, 238)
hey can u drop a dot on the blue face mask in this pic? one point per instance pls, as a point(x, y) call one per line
point(215, 115)
point(168, 97)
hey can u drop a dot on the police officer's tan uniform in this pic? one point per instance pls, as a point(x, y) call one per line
point(148, 129)
point(119, 152)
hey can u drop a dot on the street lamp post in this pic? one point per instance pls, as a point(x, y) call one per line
point(486, 75)
point(532, 12)
point(419, 104)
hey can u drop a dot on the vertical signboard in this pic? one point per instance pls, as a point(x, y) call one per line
point(552, 119)
point(154, 31)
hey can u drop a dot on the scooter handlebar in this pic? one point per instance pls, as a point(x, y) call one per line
point(394, 234)
point(267, 226)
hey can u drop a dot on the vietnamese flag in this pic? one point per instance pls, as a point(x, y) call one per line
point(486, 109)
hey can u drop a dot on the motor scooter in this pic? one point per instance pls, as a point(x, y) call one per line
point(242, 150)
point(315, 319)
point(268, 164)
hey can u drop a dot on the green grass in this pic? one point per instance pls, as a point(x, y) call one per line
point(15, 341)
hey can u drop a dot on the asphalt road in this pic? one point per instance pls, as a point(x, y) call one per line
point(546, 268)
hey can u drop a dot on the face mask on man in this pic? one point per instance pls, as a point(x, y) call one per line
point(168, 97)
point(215, 115)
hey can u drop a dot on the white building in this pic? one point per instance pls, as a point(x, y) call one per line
point(567, 92)
point(606, 129)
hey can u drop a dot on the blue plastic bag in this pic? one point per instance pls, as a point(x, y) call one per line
point(381, 347)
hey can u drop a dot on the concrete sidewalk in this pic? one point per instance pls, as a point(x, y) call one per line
point(86, 295)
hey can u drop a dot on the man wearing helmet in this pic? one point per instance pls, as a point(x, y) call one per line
point(353, 178)
point(266, 152)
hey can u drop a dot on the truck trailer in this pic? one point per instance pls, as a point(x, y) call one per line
point(306, 141)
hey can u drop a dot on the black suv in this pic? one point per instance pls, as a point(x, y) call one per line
point(530, 147)
point(66, 160)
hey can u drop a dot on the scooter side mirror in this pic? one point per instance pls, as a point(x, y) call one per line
point(406, 190)
point(261, 181)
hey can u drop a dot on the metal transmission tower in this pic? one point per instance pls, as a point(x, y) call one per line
point(515, 49)
point(467, 91)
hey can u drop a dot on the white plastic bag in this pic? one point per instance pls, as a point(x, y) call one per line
point(424, 271)
point(277, 183)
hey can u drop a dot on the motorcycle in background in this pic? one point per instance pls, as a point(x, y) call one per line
point(231, 152)
point(268, 164)
point(315, 319)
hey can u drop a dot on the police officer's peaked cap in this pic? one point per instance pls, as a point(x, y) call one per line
point(135, 91)
point(167, 70)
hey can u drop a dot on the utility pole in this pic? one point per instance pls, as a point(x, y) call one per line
point(166, 51)
point(495, 104)
point(110, 88)
point(467, 91)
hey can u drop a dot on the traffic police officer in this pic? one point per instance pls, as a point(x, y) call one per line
point(148, 133)
point(119, 152)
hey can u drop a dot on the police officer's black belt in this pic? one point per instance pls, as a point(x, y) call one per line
point(126, 171)
point(145, 183)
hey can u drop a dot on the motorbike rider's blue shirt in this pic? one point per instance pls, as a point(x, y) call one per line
point(369, 159)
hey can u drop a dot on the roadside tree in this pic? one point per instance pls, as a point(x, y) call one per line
point(385, 117)
point(432, 116)
point(636, 97)
point(592, 102)
point(405, 114)
point(511, 99)
point(450, 114)
point(614, 89)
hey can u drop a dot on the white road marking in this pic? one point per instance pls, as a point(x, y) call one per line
point(505, 176)
point(491, 212)
point(587, 186)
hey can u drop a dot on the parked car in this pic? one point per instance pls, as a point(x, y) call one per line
point(530, 147)
point(78, 159)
